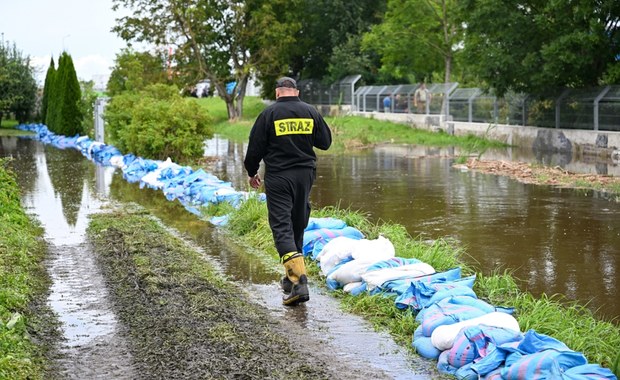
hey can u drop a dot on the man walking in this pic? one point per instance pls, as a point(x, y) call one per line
point(283, 136)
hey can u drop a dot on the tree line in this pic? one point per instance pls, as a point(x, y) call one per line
point(18, 87)
point(533, 46)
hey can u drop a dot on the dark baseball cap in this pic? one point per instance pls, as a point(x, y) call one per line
point(286, 82)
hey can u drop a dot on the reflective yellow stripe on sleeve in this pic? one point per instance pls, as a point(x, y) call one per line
point(293, 126)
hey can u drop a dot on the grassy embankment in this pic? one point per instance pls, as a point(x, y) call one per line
point(569, 322)
point(23, 285)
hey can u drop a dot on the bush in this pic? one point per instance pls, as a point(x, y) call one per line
point(158, 123)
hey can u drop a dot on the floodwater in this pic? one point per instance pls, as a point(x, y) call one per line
point(61, 189)
point(55, 189)
point(555, 241)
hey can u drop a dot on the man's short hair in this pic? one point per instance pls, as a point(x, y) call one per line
point(286, 82)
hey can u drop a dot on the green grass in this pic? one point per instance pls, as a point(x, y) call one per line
point(9, 124)
point(352, 131)
point(22, 280)
point(573, 324)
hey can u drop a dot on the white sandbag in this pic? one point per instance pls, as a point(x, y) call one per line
point(350, 272)
point(152, 178)
point(336, 250)
point(376, 278)
point(351, 285)
point(117, 161)
point(377, 249)
point(443, 336)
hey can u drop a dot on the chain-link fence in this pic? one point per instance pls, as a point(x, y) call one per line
point(596, 108)
point(315, 92)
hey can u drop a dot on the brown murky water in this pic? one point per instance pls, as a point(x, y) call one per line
point(555, 240)
point(61, 188)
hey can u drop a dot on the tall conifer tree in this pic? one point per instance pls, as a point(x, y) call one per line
point(70, 120)
point(53, 99)
point(49, 77)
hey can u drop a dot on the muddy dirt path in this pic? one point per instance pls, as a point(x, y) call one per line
point(184, 321)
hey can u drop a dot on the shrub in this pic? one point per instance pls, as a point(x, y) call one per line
point(158, 123)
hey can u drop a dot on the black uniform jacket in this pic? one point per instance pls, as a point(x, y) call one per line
point(284, 135)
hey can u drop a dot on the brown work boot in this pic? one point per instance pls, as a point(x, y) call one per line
point(296, 274)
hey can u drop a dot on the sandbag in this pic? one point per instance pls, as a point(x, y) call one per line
point(327, 234)
point(423, 345)
point(330, 223)
point(532, 342)
point(472, 343)
point(334, 251)
point(376, 278)
point(443, 336)
point(425, 292)
point(588, 372)
point(546, 364)
point(452, 310)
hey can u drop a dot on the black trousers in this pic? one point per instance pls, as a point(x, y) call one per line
point(288, 205)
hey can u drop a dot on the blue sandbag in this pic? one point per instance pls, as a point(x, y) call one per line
point(392, 263)
point(423, 345)
point(472, 343)
point(588, 372)
point(452, 310)
point(532, 342)
point(330, 223)
point(420, 292)
point(327, 234)
point(549, 363)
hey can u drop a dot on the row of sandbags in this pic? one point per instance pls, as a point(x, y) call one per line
point(469, 338)
point(193, 188)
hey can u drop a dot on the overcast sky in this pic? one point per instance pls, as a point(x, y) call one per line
point(42, 28)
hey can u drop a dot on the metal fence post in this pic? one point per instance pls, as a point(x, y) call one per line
point(596, 101)
point(558, 103)
point(100, 105)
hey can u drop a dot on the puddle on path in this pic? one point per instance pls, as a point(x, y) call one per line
point(93, 345)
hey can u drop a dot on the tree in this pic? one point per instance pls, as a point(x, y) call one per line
point(17, 84)
point(71, 96)
point(327, 26)
point(541, 45)
point(52, 113)
point(417, 37)
point(49, 77)
point(219, 40)
point(133, 71)
point(64, 114)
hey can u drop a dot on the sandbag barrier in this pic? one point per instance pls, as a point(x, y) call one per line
point(193, 188)
point(469, 338)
